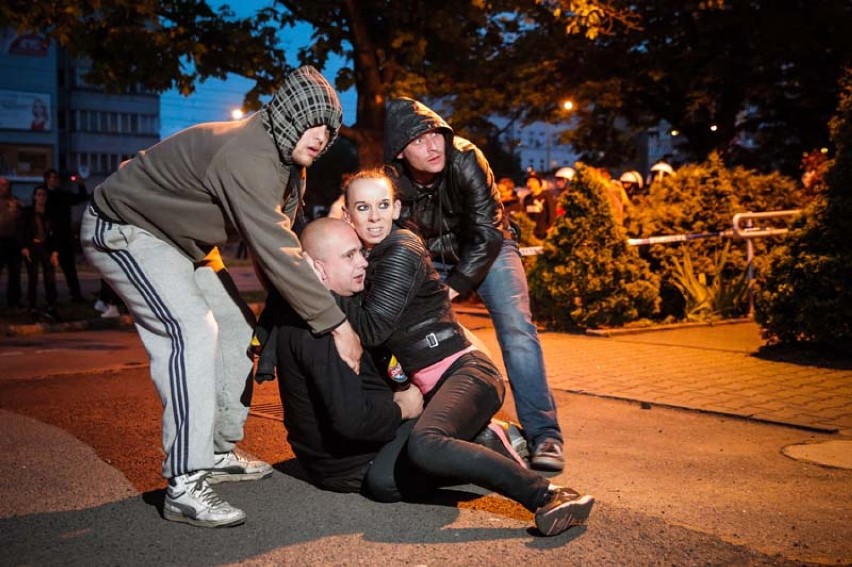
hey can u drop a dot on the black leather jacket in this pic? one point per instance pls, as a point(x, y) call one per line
point(404, 306)
point(460, 216)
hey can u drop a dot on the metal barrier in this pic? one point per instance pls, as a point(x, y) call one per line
point(748, 233)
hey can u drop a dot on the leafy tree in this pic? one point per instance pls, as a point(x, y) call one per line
point(587, 275)
point(806, 295)
point(764, 69)
point(431, 48)
point(157, 44)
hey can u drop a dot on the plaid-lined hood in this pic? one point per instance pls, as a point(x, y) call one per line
point(407, 119)
point(305, 100)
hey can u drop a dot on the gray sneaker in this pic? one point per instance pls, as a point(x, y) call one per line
point(190, 500)
point(565, 509)
point(235, 467)
point(548, 456)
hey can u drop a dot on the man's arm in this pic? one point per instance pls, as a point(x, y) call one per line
point(481, 231)
point(252, 190)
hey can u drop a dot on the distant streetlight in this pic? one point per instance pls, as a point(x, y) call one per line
point(713, 128)
point(237, 113)
point(568, 105)
point(675, 132)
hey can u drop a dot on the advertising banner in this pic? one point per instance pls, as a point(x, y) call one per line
point(25, 111)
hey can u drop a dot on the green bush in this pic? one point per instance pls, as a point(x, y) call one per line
point(709, 297)
point(805, 297)
point(703, 198)
point(587, 275)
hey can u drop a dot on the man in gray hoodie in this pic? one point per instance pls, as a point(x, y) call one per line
point(152, 229)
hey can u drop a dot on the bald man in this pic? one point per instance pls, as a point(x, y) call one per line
point(337, 421)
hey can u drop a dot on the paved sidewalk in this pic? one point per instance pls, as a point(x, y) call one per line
point(710, 369)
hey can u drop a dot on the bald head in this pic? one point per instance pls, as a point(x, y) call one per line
point(335, 250)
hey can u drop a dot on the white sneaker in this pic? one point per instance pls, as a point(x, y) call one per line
point(235, 467)
point(111, 312)
point(189, 499)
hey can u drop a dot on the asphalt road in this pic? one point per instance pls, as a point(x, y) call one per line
point(80, 431)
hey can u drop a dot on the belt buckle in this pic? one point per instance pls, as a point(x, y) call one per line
point(431, 340)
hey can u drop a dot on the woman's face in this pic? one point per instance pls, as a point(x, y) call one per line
point(371, 208)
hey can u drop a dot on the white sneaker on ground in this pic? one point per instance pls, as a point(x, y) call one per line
point(111, 312)
point(236, 467)
point(190, 500)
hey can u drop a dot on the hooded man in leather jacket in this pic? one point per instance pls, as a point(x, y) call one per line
point(449, 195)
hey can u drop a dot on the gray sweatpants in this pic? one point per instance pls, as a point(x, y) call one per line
point(196, 329)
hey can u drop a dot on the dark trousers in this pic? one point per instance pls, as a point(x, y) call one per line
point(40, 259)
point(10, 260)
point(438, 446)
point(68, 263)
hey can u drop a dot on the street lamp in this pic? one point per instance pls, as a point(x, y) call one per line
point(568, 105)
point(237, 113)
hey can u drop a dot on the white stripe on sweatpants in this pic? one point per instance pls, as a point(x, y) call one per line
point(195, 328)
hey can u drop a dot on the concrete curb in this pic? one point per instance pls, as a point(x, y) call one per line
point(667, 327)
point(94, 324)
point(84, 325)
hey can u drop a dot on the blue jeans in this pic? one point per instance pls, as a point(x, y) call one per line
point(506, 296)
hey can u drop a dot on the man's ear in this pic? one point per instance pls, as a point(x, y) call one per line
point(345, 215)
point(397, 208)
point(317, 266)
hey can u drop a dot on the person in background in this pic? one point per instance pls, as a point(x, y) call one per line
point(540, 206)
point(508, 195)
point(11, 209)
point(38, 248)
point(659, 171)
point(631, 182)
point(448, 193)
point(59, 208)
point(563, 178)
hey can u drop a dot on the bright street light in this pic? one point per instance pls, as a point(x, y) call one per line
point(237, 113)
point(567, 105)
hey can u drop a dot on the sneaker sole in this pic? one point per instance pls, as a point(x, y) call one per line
point(568, 515)
point(218, 477)
point(179, 517)
point(547, 464)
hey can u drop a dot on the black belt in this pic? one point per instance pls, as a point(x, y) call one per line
point(432, 340)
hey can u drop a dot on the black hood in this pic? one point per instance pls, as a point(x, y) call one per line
point(407, 119)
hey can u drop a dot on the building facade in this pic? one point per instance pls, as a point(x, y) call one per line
point(50, 118)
